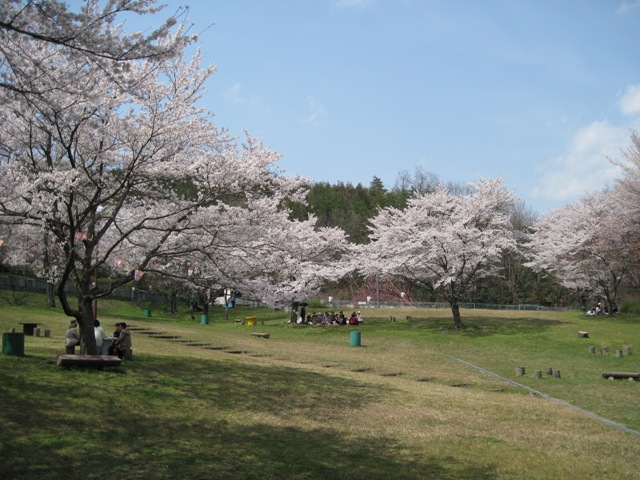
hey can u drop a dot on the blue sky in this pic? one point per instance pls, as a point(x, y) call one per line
point(538, 92)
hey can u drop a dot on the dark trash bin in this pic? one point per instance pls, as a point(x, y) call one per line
point(13, 344)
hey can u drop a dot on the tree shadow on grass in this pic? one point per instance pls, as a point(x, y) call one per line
point(191, 418)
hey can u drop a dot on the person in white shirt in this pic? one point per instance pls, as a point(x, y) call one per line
point(101, 336)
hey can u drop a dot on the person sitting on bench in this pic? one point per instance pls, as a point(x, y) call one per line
point(123, 343)
point(72, 338)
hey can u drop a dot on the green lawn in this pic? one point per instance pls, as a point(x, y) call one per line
point(217, 402)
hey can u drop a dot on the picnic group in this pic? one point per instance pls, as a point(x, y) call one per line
point(332, 318)
point(598, 309)
point(118, 344)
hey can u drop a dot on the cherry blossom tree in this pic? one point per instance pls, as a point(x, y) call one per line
point(121, 173)
point(254, 247)
point(92, 36)
point(585, 245)
point(443, 241)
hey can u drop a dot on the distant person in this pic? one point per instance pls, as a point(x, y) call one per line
point(101, 337)
point(123, 343)
point(353, 319)
point(72, 337)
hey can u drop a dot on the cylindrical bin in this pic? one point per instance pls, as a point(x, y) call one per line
point(355, 339)
point(204, 319)
point(251, 320)
point(147, 313)
point(13, 344)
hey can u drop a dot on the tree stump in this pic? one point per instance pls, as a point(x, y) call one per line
point(556, 374)
point(47, 333)
point(537, 373)
point(626, 350)
point(583, 334)
point(549, 371)
point(519, 371)
point(36, 332)
point(604, 350)
point(12, 330)
point(618, 353)
point(592, 349)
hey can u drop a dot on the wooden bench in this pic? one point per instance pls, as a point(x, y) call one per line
point(94, 361)
point(614, 375)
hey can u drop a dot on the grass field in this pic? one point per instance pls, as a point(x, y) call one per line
point(216, 402)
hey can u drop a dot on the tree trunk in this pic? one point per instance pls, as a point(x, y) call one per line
point(85, 320)
point(294, 312)
point(173, 303)
point(455, 310)
point(51, 295)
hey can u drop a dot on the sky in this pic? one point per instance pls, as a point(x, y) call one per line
point(541, 93)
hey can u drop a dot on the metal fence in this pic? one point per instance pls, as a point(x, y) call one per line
point(20, 283)
point(346, 305)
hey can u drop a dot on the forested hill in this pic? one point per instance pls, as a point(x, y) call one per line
point(350, 207)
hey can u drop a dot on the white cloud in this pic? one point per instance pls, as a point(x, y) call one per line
point(628, 5)
point(236, 95)
point(630, 101)
point(584, 167)
point(317, 113)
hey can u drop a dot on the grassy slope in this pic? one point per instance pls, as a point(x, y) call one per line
point(294, 406)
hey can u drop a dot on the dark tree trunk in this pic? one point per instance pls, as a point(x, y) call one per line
point(294, 312)
point(455, 310)
point(85, 320)
point(51, 295)
point(173, 303)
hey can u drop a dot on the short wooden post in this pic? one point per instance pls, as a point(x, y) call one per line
point(556, 374)
point(618, 353)
point(519, 371)
point(537, 373)
point(36, 332)
point(604, 350)
point(626, 350)
point(12, 330)
point(549, 371)
point(47, 333)
point(592, 349)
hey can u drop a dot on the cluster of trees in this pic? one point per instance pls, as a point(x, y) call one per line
point(111, 170)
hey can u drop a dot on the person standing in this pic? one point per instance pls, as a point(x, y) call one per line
point(123, 343)
point(72, 337)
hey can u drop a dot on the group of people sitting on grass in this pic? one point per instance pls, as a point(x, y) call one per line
point(332, 318)
point(598, 309)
